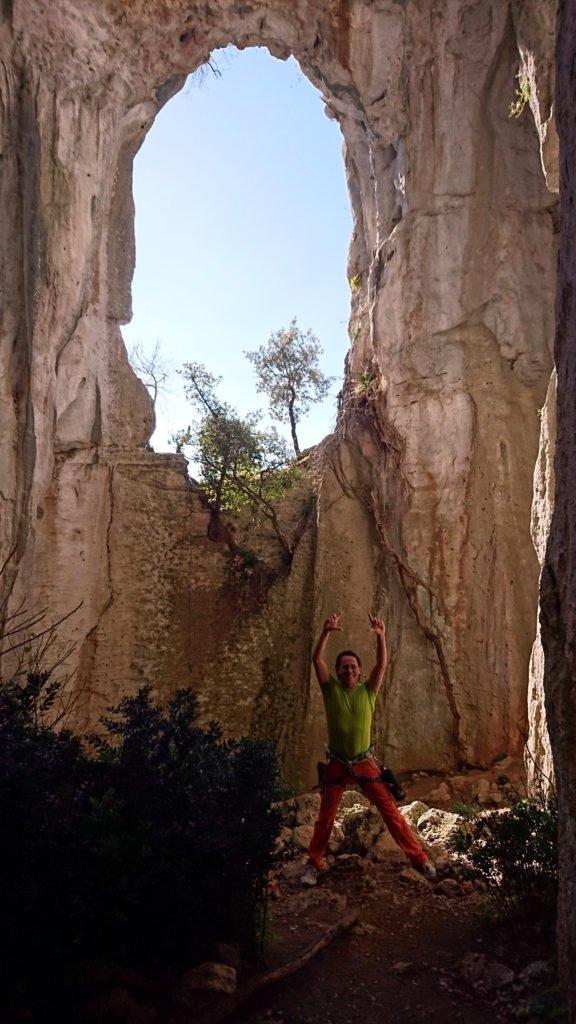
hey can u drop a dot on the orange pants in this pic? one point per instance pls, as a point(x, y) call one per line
point(336, 781)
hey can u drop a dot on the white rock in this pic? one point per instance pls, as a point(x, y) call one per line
point(307, 807)
point(302, 836)
point(485, 975)
point(438, 827)
point(412, 812)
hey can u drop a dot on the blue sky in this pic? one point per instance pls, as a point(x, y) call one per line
point(242, 223)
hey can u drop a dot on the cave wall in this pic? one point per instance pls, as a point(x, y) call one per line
point(423, 509)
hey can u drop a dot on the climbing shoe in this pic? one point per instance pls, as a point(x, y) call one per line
point(428, 870)
point(310, 875)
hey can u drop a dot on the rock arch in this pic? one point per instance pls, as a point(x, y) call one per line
point(425, 511)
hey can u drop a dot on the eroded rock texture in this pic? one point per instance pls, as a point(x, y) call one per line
point(424, 505)
point(558, 586)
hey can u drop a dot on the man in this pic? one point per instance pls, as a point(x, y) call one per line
point(349, 706)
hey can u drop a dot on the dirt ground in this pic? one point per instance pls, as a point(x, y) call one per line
point(416, 954)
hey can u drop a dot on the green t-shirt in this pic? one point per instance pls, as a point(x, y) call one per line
point(349, 716)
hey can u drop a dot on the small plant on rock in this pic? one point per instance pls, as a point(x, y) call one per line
point(522, 96)
point(469, 811)
point(514, 851)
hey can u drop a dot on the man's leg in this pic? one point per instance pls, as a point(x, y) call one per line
point(398, 827)
point(329, 804)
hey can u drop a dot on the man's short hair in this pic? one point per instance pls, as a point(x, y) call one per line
point(351, 654)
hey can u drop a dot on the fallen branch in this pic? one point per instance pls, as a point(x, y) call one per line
point(265, 981)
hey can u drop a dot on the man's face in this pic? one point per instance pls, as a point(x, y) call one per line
point(348, 671)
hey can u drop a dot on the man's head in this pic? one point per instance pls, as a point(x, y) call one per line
point(348, 669)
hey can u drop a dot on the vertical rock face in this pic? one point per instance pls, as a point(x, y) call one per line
point(424, 506)
point(558, 586)
point(539, 763)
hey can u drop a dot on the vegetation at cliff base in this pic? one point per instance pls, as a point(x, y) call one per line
point(147, 848)
point(515, 852)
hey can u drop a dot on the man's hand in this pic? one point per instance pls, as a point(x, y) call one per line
point(332, 625)
point(377, 625)
point(377, 675)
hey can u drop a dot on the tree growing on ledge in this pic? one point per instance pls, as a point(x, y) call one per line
point(241, 464)
point(287, 371)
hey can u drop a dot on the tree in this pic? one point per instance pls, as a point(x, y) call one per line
point(153, 369)
point(241, 464)
point(287, 371)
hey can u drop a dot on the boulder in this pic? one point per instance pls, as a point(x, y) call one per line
point(438, 827)
point(413, 812)
point(362, 827)
point(336, 839)
point(484, 974)
point(441, 795)
point(483, 791)
point(414, 878)
point(353, 798)
point(284, 839)
point(210, 976)
point(349, 811)
point(307, 806)
point(301, 836)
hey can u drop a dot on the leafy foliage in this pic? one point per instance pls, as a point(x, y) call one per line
point(287, 371)
point(515, 852)
point(522, 95)
point(466, 810)
point(147, 849)
point(241, 464)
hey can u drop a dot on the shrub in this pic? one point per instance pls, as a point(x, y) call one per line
point(515, 852)
point(248, 577)
point(469, 811)
point(147, 848)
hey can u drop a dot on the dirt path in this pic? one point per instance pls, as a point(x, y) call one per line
point(407, 959)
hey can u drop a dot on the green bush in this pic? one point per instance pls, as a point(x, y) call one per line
point(515, 852)
point(146, 848)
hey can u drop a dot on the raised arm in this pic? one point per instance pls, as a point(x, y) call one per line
point(377, 674)
point(320, 667)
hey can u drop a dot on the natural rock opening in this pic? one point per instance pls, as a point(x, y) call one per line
point(242, 223)
point(426, 510)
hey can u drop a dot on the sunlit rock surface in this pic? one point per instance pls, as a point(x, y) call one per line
point(424, 506)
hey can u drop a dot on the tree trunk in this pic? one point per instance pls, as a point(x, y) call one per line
point(293, 421)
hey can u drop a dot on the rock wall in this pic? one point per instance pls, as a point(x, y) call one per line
point(538, 754)
point(558, 585)
point(424, 507)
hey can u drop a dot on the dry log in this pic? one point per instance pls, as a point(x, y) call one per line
point(264, 981)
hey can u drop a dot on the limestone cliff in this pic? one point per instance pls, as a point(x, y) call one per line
point(558, 586)
point(424, 507)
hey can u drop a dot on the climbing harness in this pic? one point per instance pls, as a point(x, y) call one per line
point(386, 774)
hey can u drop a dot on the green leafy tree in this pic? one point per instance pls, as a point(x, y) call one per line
point(287, 371)
point(241, 464)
